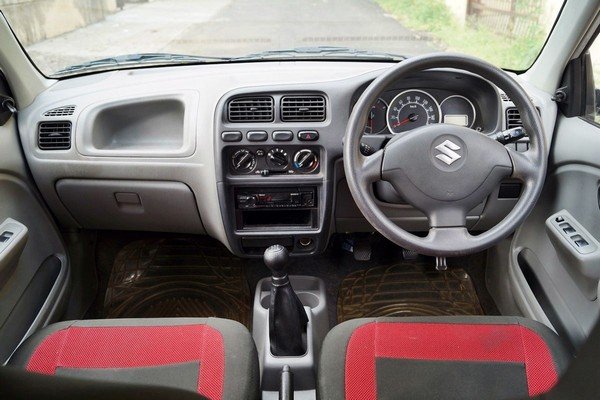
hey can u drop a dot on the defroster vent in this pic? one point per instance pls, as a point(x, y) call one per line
point(54, 135)
point(251, 109)
point(303, 108)
point(60, 111)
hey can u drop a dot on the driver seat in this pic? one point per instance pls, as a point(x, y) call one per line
point(440, 358)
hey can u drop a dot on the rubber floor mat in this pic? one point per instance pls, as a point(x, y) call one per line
point(406, 290)
point(177, 278)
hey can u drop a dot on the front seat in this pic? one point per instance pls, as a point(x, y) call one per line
point(213, 357)
point(440, 358)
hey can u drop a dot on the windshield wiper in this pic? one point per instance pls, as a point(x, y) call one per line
point(129, 60)
point(135, 60)
point(326, 52)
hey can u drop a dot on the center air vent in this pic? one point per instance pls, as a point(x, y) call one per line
point(513, 118)
point(251, 109)
point(54, 135)
point(304, 108)
point(60, 111)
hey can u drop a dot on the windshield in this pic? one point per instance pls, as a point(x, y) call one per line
point(65, 38)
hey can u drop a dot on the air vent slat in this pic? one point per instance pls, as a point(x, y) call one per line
point(251, 109)
point(304, 108)
point(54, 135)
point(63, 111)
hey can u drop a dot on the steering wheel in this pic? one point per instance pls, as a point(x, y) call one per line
point(445, 170)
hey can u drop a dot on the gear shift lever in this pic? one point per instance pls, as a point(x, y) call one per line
point(276, 259)
point(287, 318)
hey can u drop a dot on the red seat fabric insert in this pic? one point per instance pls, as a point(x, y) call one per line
point(447, 342)
point(135, 346)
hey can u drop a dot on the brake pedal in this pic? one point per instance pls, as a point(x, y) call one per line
point(362, 250)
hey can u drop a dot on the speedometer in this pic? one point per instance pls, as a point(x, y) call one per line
point(411, 109)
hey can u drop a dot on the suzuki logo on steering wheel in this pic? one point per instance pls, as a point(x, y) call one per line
point(448, 152)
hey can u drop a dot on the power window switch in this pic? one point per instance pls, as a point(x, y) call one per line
point(580, 242)
point(559, 219)
point(5, 236)
point(567, 228)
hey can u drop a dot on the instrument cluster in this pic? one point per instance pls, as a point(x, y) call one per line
point(400, 111)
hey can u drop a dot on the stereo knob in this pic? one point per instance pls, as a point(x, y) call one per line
point(243, 161)
point(277, 158)
point(306, 161)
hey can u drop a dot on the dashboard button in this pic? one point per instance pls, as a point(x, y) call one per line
point(232, 136)
point(257, 136)
point(283, 136)
point(308, 136)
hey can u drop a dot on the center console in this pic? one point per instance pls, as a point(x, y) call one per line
point(273, 150)
point(289, 325)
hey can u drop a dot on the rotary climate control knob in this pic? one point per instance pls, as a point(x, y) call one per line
point(306, 161)
point(243, 161)
point(277, 158)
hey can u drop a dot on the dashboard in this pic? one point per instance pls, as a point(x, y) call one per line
point(250, 154)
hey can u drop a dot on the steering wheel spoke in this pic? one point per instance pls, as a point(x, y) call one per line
point(447, 237)
point(370, 168)
point(447, 217)
point(524, 164)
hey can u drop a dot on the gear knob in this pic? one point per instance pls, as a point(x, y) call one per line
point(276, 259)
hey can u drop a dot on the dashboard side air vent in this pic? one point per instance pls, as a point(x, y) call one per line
point(513, 118)
point(54, 135)
point(63, 111)
point(305, 108)
point(251, 109)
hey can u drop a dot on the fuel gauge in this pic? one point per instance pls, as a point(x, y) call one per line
point(458, 110)
point(376, 121)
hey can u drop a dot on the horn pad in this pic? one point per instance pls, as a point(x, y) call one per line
point(444, 163)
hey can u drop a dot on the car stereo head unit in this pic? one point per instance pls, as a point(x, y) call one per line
point(262, 198)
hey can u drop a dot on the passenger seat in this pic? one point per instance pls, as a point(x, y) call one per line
point(213, 357)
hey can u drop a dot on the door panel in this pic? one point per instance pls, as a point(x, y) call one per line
point(551, 277)
point(34, 271)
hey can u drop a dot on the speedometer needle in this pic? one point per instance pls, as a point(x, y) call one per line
point(410, 118)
